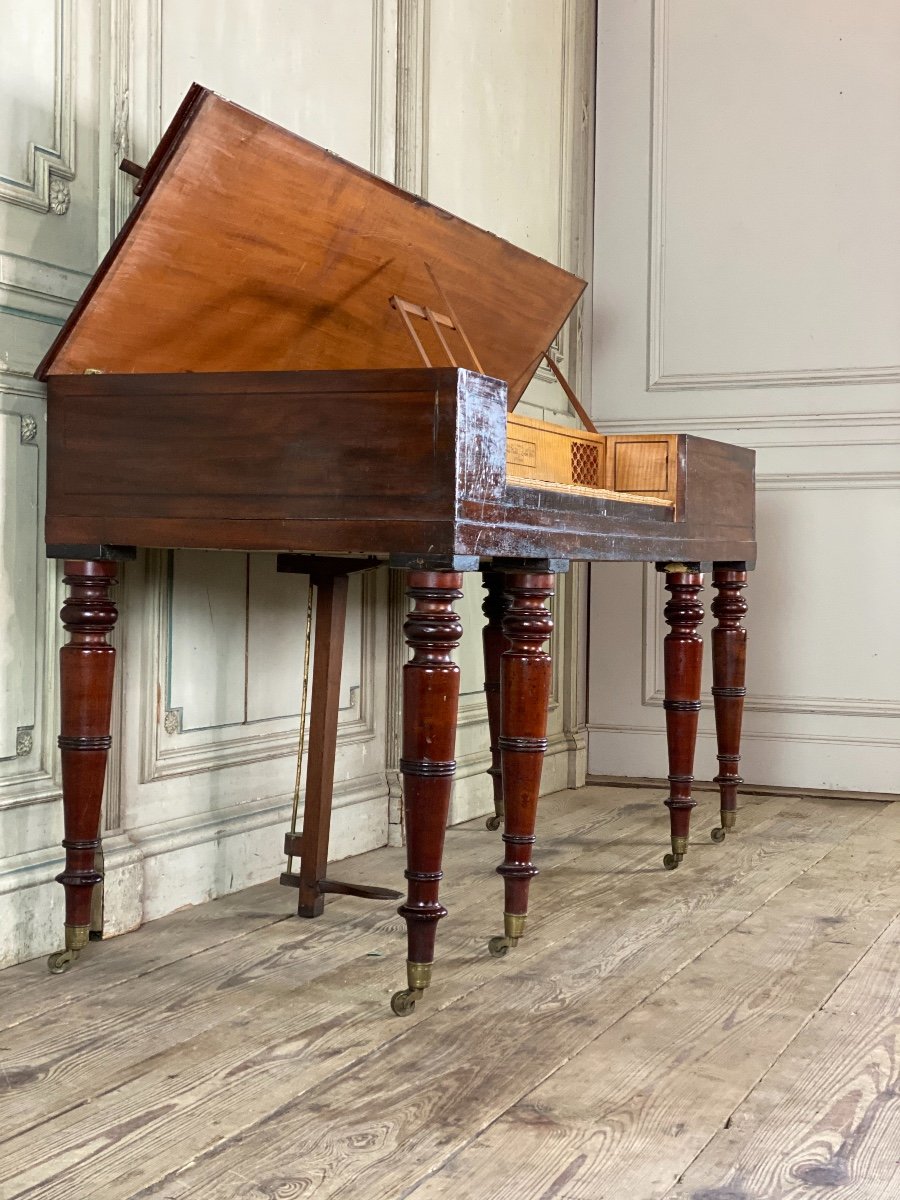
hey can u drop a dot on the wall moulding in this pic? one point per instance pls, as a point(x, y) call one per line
point(751, 736)
point(659, 379)
point(166, 753)
point(412, 92)
point(779, 431)
point(828, 377)
point(203, 828)
point(29, 588)
point(42, 189)
point(38, 290)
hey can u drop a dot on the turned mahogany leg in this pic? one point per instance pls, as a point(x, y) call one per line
point(494, 606)
point(86, 665)
point(729, 642)
point(683, 656)
point(525, 694)
point(430, 703)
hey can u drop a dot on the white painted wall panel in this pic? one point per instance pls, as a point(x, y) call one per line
point(760, 145)
point(29, 34)
point(778, 170)
point(276, 631)
point(494, 144)
point(208, 624)
point(18, 581)
point(308, 66)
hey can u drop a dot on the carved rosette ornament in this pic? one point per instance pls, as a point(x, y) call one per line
point(60, 197)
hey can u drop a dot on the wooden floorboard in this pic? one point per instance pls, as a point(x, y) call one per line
point(229, 1052)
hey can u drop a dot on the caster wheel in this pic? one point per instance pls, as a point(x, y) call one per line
point(492, 823)
point(403, 1003)
point(717, 834)
point(60, 962)
point(670, 862)
point(498, 947)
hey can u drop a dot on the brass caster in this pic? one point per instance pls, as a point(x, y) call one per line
point(513, 929)
point(61, 961)
point(403, 1003)
point(498, 947)
point(717, 834)
point(493, 823)
point(671, 861)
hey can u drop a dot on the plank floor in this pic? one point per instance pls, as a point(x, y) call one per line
point(727, 1031)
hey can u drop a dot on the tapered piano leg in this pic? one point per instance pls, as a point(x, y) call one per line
point(729, 643)
point(525, 694)
point(494, 642)
point(86, 666)
point(430, 703)
point(683, 657)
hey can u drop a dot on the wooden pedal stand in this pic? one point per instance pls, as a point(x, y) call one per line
point(330, 577)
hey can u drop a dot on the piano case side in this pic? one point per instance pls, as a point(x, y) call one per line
point(322, 461)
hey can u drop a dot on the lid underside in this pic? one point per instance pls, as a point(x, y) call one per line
point(251, 249)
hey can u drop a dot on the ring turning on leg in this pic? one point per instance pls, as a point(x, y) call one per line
point(683, 657)
point(430, 702)
point(729, 643)
point(494, 606)
point(525, 671)
point(86, 666)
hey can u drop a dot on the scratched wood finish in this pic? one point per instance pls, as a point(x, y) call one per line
point(329, 962)
point(326, 1096)
point(824, 1121)
point(628, 1114)
point(252, 249)
point(248, 934)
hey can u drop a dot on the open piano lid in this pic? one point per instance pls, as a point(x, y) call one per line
point(251, 249)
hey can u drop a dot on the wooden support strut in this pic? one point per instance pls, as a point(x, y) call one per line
point(330, 577)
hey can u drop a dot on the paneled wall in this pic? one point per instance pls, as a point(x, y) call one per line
point(484, 108)
point(746, 288)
